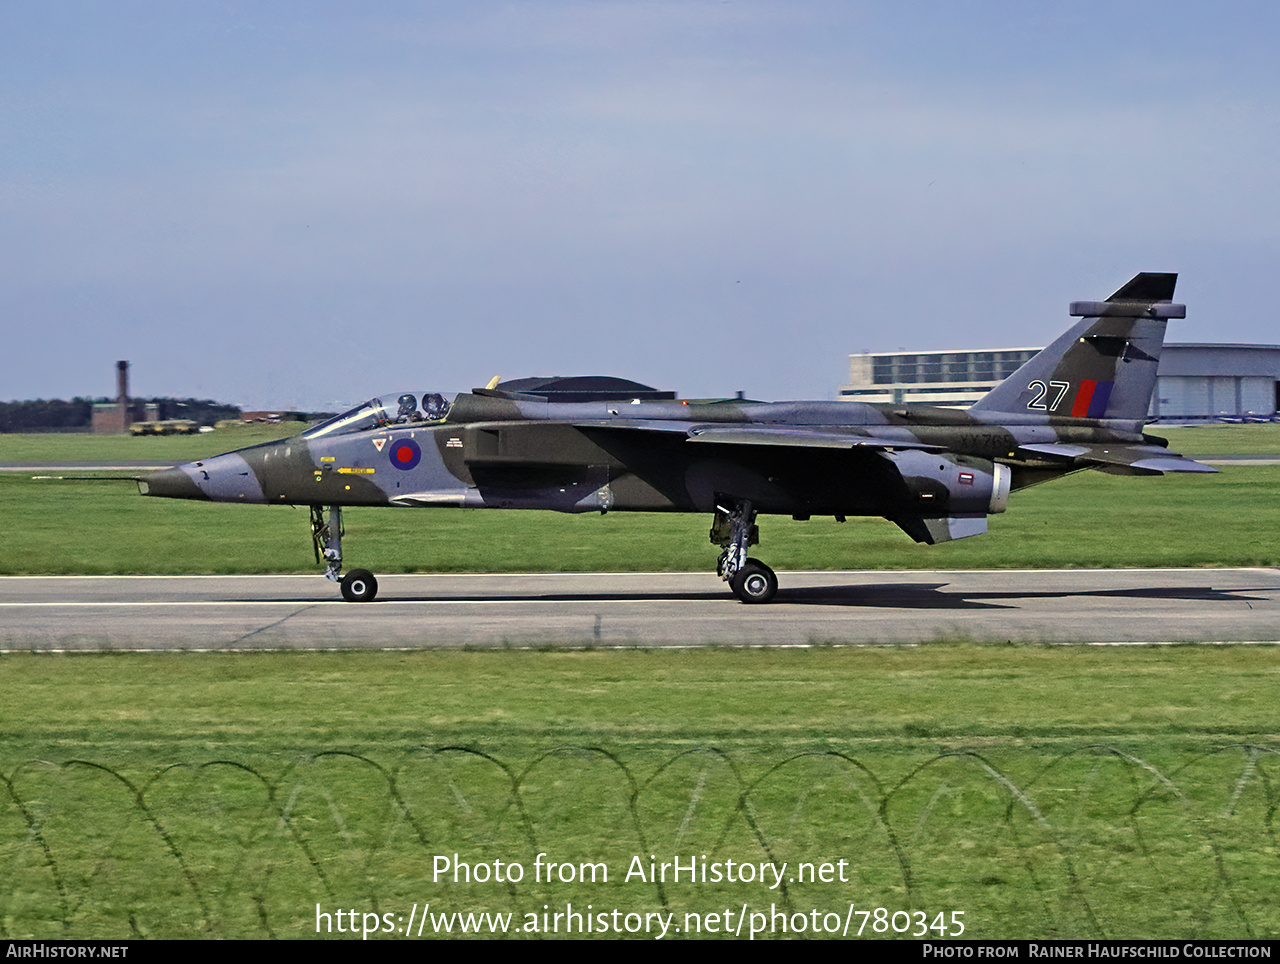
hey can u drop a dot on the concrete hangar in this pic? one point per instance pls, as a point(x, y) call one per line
point(1194, 382)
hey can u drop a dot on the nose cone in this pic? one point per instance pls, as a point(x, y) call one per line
point(224, 478)
point(172, 483)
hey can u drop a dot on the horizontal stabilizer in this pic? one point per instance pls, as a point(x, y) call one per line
point(1171, 463)
point(1130, 459)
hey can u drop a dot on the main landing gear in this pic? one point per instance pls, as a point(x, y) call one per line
point(734, 528)
point(358, 585)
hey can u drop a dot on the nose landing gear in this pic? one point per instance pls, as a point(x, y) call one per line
point(359, 585)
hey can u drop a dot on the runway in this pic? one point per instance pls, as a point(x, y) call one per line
point(245, 613)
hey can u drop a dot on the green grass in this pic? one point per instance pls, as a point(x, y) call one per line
point(1046, 792)
point(1222, 439)
point(153, 449)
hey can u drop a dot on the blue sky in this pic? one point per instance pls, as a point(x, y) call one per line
point(306, 204)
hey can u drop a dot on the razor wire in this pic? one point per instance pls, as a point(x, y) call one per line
point(1096, 842)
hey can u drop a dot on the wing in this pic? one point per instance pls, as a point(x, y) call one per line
point(782, 436)
point(1117, 458)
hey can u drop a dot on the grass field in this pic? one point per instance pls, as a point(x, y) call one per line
point(1261, 439)
point(152, 449)
point(1045, 792)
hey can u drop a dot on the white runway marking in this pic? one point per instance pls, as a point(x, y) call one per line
point(206, 613)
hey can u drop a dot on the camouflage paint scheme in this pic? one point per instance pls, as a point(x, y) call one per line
point(936, 472)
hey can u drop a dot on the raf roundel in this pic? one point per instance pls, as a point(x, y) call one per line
point(405, 453)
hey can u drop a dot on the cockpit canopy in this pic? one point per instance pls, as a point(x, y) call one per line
point(386, 411)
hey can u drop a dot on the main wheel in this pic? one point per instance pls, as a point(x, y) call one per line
point(755, 582)
point(359, 586)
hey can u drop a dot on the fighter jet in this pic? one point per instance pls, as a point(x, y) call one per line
point(611, 445)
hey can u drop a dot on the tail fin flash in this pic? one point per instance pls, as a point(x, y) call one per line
point(1105, 365)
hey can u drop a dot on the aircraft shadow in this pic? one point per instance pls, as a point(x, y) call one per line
point(927, 596)
point(931, 596)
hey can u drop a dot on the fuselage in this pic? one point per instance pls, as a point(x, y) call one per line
point(797, 458)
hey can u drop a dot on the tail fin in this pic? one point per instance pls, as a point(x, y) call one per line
point(1104, 366)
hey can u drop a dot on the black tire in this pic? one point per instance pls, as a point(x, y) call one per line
point(359, 586)
point(755, 582)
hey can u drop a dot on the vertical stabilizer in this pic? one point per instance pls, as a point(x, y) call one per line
point(1104, 366)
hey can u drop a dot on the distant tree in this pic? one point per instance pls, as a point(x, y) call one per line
point(44, 414)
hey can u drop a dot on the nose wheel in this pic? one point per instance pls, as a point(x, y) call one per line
point(359, 585)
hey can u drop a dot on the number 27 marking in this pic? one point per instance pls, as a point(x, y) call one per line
point(1042, 390)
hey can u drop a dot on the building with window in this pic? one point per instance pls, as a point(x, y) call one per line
point(1195, 382)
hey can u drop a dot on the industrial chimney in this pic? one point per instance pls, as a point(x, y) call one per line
point(122, 394)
